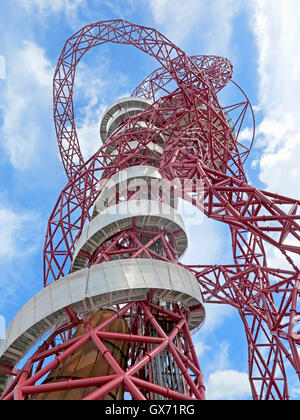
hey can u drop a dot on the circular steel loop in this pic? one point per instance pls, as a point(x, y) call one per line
point(182, 69)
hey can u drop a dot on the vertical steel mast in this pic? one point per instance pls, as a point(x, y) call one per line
point(115, 317)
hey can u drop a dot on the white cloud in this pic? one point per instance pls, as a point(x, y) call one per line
point(121, 8)
point(212, 21)
point(16, 228)
point(295, 392)
point(228, 385)
point(2, 67)
point(26, 104)
point(21, 237)
point(70, 7)
point(95, 89)
point(276, 30)
point(275, 27)
point(42, 10)
point(246, 134)
point(201, 348)
point(216, 315)
point(221, 358)
point(177, 17)
point(279, 137)
point(10, 228)
point(89, 87)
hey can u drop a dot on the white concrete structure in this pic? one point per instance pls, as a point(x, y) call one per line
point(142, 176)
point(119, 112)
point(120, 183)
point(147, 214)
point(99, 287)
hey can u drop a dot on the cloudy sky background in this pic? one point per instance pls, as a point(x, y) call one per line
point(261, 39)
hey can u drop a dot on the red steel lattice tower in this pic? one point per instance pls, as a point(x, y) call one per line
point(117, 311)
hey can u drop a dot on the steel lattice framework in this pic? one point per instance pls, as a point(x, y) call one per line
point(205, 147)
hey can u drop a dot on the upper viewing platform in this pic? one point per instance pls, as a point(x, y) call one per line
point(119, 112)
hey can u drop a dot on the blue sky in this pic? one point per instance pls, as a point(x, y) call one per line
point(261, 40)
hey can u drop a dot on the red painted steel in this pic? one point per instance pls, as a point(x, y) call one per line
point(202, 143)
point(141, 356)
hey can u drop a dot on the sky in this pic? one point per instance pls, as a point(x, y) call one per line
point(260, 37)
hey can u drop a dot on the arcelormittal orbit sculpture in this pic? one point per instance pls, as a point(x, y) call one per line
point(116, 314)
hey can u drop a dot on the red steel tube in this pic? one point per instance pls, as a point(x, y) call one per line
point(156, 389)
point(66, 385)
point(105, 389)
